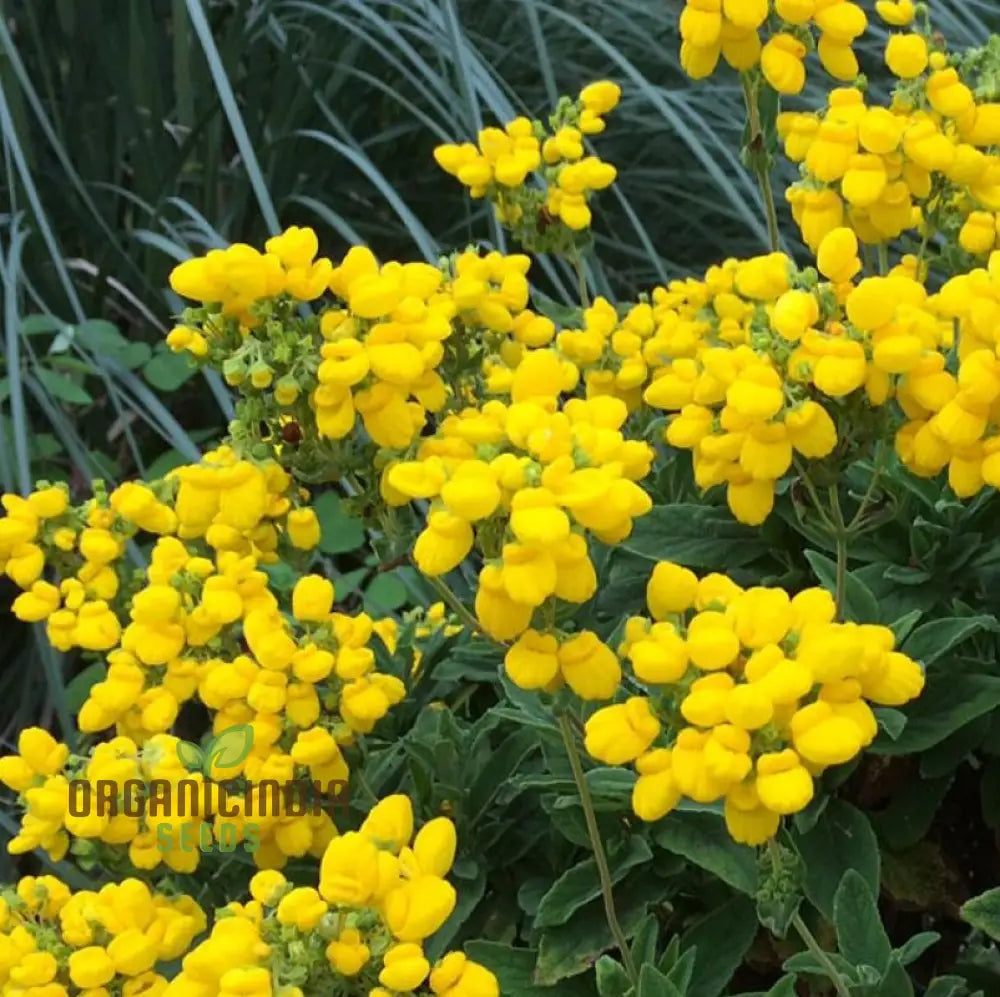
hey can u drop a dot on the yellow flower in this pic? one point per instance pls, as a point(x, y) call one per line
point(906, 56)
point(303, 528)
point(656, 792)
point(621, 733)
point(784, 786)
point(748, 821)
point(404, 967)
point(533, 662)
point(670, 589)
point(312, 598)
point(390, 822)
point(782, 65)
point(91, 967)
point(589, 666)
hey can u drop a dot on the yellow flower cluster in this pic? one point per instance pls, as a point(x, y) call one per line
point(233, 505)
point(526, 482)
point(732, 28)
point(238, 276)
point(954, 418)
point(377, 355)
point(750, 695)
point(608, 351)
point(381, 893)
point(766, 360)
point(144, 804)
point(500, 164)
point(925, 162)
point(91, 943)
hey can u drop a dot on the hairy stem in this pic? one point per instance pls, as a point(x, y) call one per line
point(755, 143)
point(821, 955)
point(593, 831)
point(455, 604)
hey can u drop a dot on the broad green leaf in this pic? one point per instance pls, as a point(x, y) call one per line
point(581, 884)
point(514, 969)
point(913, 948)
point(167, 371)
point(78, 688)
point(230, 747)
point(947, 986)
point(862, 606)
point(983, 912)
point(385, 593)
point(35, 325)
point(842, 839)
point(720, 942)
point(949, 701)
point(703, 839)
point(933, 640)
point(695, 535)
point(612, 980)
point(652, 983)
point(896, 982)
point(62, 387)
point(571, 949)
point(861, 939)
point(339, 532)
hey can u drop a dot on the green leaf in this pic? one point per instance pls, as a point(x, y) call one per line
point(104, 339)
point(385, 593)
point(571, 949)
point(35, 325)
point(652, 983)
point(78, 688)
point(913, 948)
point(564, 316)
point(339, 532)
point(581, 884)
point(230, 747)
point(720, 942)
point(946, 986)
point(695, 535)
point(862, 606)
point(190, 755)
point(703, 839)
point(167, 371)
point(842, 839)
point(896, 982)
point(62, 387)
point(949, 701)
point(910, 815)
point(861, 939)
point(612, 980)
point(933, 640)
point(514, 968)
point(983, 912)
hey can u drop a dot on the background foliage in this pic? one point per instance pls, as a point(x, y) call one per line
point(138, 132)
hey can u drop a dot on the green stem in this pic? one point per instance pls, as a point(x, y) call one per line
point(880, 457)
point(840, 539)
point(814, 495)
point(581, 280)
point(593, 831)
point(755, 145)
point(808, 938)
point(455, 604)
point(821, 955)
point(883, 259)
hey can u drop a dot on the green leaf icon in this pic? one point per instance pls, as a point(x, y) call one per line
point(229, 747)
point(190, 755)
